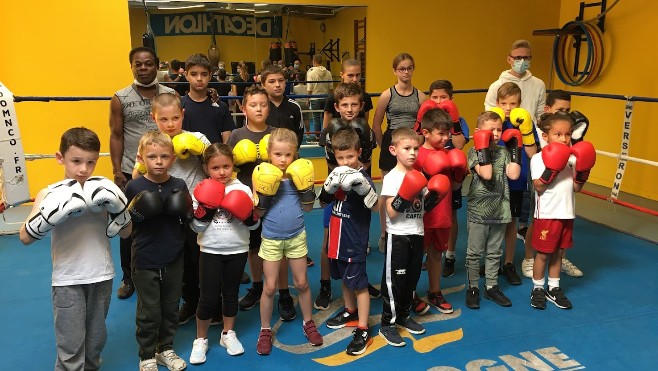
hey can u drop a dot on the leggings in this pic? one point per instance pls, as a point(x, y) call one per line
point(219, 273)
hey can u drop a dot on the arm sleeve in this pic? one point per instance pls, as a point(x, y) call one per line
point(490, 99)
point(465, 129)
point(537, 167)
point(472, 158)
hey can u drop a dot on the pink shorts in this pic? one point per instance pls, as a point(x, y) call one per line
point(548, 235)
point(437, 238)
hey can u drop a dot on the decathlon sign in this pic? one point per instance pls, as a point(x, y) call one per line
point(200, 23)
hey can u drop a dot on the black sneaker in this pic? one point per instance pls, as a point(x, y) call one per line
point(473, 298)
point(556, 296)
point(323, 301)
point(287, 308)
point(410, 325)
point(494, 294)
point(245, 278)
point(126, 290)
point(251, 299)
point(509, 271)
point(374, 293)
point(418, 305)
point(186, 313)
point(437, 300)
point(344, 318)
point(521, 232)
point(448, 267)
point(391, 335)
point(359, 342)
point(538, 298)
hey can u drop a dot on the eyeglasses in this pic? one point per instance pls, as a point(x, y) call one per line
point(520, 57)
point(405, 69)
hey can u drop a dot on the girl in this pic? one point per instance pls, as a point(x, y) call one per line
point(284, 189)
point(223, 216)
point(556, 179)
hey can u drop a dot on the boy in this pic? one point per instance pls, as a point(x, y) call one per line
point(432, 159)
point(508, 102)
point(404, 207)
point(82, 260)
point(489, 205)
point(352, 194)
point(160, 207)
point(201, 114)
point(284, 112)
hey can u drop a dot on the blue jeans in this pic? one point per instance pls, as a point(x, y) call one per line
point(316, 123)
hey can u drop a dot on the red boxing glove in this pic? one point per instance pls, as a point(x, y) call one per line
point(414, 182)
point(450, 107)
point(239, 204)
point(514, 143)
point(438, 187)
point(427, 105)
point(459, 164)
point(481, 141)
point(585, 160)
point(209, 194)
point(435, 162)
point(555, 156)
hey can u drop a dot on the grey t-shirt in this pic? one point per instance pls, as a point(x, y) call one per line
point(488, 200)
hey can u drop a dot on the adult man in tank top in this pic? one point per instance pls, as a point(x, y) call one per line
point(130, 118)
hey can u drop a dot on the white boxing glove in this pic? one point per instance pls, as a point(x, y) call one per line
point(101, 193)
point(63, 199)
point(332, 183)
point(357, 182)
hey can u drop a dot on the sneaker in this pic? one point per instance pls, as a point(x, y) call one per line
point(186, 313)
point(526, 267)
point(494, 294)
point(171, 360)
point(264, 345)
point(556, 296)
point(570, 269)
point(312, 334)
point(374, 293)
point(199, 350)
point(391, 335)
point(410, 325)
point(126, 290)
point(521, 232)
point(439, 302)
point(287, 308)
point(448, 267)
point(473, 298)
point(231, 343)
point(309, 261)
point(509, 271)
point(343, 319)
point(216, 320)
point(323, 300)
point(418, 305)
point(359, 342)
point(538, 298)
point(245, 278)
point(382, 244)
point(251, 299)
point(148, 365)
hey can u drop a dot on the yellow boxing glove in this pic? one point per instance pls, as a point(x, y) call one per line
point(499, 111)
point(140, 167)
point(266, 179)
point(520, 118)
point(186, 144)
point(302, 175)
point(262, 148)
point(244, 151)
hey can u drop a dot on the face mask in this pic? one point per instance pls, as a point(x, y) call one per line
point(520, 66)
point(155, 81)
point(296, 66)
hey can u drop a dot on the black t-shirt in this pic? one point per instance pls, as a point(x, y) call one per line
point(329, 105)
point(245, 170)
point(287, 115)
point(159, 240)
point(210, 119)
point(180, 88)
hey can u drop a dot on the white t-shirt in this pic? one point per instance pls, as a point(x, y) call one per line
point(411, 220)
point(558, 201)
point(225, 234)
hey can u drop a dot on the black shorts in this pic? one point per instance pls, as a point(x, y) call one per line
point(515, 203)
point(457, 199)
point(386, 160)
point(255, 238)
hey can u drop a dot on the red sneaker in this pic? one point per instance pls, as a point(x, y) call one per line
point(264, 345)
point(312, 334)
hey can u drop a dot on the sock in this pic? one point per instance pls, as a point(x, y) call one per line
point(325, 284)
point(538, 283)
point(284, 292)
point(450, 254)
point(362, 328)
point(266, 328)
point(258, 286)
point(489, 287)
point(350, 311)
point(553, 283)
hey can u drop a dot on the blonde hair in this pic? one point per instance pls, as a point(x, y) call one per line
point(508, 89)
point(165, 100)
point(403, 133)
point(154, 137)
point(518, 44)
point(282, 135)
point(487, 116)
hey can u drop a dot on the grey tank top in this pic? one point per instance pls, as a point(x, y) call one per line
point(402, 110)
point(136, 121)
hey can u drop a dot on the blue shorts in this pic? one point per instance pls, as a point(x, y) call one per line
point(353, 275)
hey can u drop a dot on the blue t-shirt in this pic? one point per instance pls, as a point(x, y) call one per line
point(520, 184)
point(285, 218)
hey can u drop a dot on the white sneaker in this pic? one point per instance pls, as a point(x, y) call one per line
point(231, 343)
point(148, 365)
point(199, 350)
point(171, 360)
point(526, 267)
point(570, 269)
